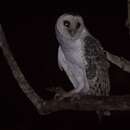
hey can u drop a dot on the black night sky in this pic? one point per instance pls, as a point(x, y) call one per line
point(31, 38)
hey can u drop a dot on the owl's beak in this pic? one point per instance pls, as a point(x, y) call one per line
point(72, 32)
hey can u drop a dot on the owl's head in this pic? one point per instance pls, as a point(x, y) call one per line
point(70, 26)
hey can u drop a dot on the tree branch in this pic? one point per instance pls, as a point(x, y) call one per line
point(17, 73)
point(89, 103)
point(119, 61)
point(86, 103)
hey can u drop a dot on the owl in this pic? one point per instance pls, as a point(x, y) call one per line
point(82, 58)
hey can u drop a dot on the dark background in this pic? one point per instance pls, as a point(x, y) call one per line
point(32, 40)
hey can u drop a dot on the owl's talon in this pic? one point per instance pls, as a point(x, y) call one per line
point(61, 96)
point(57, 96)
point(75, 97)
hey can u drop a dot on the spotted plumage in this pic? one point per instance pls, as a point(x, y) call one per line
point(97, 68)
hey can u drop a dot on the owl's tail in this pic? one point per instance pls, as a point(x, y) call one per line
point(101, 114)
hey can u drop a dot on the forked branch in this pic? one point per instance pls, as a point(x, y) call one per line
point(86, 103)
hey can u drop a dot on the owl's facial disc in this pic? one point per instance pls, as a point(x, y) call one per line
point(72, 28)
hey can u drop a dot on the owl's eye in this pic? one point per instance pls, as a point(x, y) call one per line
point(67, 23)
point(78, 25)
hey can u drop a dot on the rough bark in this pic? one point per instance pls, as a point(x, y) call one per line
point(89, 103)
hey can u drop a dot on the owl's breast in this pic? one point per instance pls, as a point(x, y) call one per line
point(74, 53)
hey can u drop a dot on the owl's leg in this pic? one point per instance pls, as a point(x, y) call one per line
point(79, 80)
point(74, 91)
point(76, 75)
point(64, 65)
